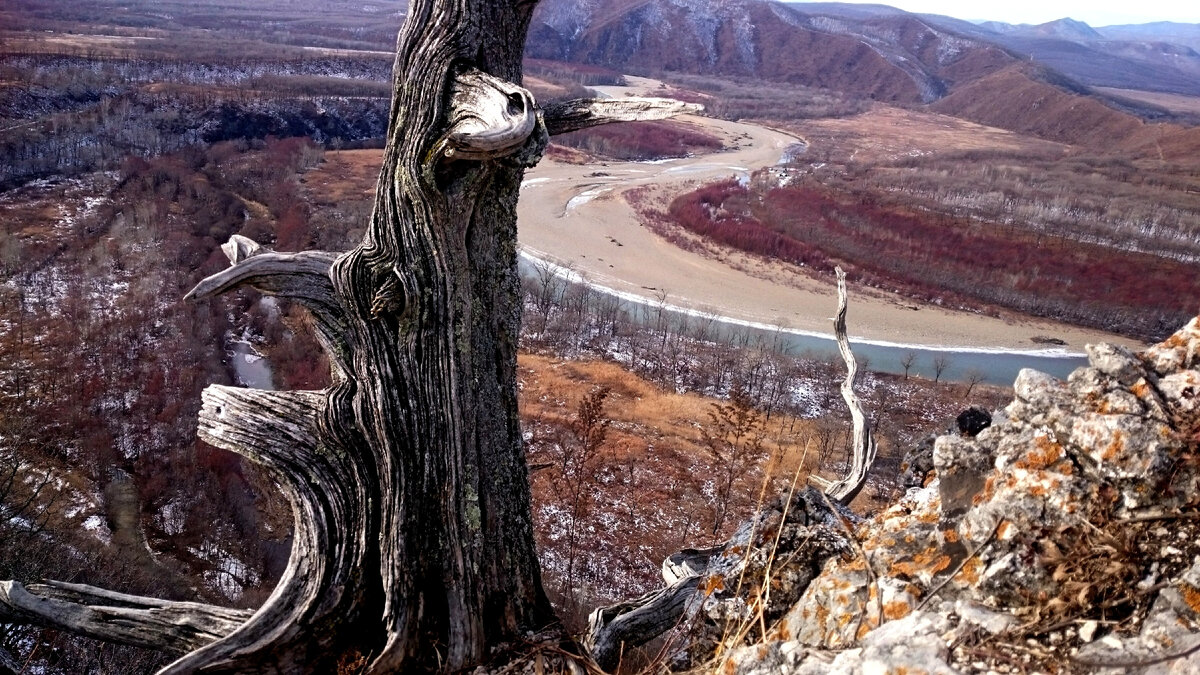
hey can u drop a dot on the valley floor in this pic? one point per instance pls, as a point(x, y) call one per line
point(574, 215)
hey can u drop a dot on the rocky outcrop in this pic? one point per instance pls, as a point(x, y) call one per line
point(917, 466)
point(1064, 537)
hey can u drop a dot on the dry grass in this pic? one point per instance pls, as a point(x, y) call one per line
point(1176, 103)
point(119, 46)
point(886, 134)
point(542, 88)
point(642, 412)
point(345, 174)
point(652, 490)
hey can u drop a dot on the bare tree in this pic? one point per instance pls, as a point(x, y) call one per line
point(547, 288)
point(940, 363)
point(574, 477)
point(973, 376)
point(734, 439)
point(413, 546)
point(907, 362)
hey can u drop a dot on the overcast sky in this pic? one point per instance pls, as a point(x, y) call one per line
point(1093, 12)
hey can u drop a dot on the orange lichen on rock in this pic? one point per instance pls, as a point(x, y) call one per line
point(951, 535)
point(1191, 595)
point(1115, 447)
point(822, 615)
point(970, 571)
point(1045, 452)
point(931, 561)
point(896, 610)
point(856, 565)
point(989, 489)
point(1003, 529)
point(865, 628)
point(714, 583)
point(1174, 341)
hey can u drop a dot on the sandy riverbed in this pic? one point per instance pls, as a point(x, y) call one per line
point(573, 215)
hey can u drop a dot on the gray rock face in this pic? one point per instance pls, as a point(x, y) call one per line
point(917, 464)
point(1065, 535)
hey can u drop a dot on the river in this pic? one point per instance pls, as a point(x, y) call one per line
point(996, 366)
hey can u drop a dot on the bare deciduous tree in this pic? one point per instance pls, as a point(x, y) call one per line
point(574, 477)
point(940, 363)
point(973, 376)
point(734, 439)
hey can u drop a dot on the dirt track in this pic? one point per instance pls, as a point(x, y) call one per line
point(574, 215)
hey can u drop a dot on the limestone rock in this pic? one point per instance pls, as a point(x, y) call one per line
point(1068, 529)
point(1179, 352)
point(917, 464)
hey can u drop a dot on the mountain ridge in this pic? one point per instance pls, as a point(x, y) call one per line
point(874, 51)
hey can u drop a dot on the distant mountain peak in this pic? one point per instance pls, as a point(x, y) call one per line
point(1068, 29)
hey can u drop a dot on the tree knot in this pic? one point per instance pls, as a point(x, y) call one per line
point(489, 117)
point(391, 297)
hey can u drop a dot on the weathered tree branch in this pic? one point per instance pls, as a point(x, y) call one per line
point(581, 113)
point(628, 624)
point(303, 277)
point(318, 592)
point(172, 627)
point(864, 448)
point(269, 427)
point(634, 622)
point(688, 562)
point(299, 276)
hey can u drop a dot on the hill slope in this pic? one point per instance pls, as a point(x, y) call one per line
point(1032, 100)
point(898, 58)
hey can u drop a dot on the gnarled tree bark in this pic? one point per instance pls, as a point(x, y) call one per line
point(413, 537)
point(172, 627)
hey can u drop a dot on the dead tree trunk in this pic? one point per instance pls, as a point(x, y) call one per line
point(413, 539)
point(634, 622)
point(863, 447)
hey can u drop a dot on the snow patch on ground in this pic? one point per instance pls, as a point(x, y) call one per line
point(585, 197)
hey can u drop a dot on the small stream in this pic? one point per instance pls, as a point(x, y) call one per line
point(251, 369)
